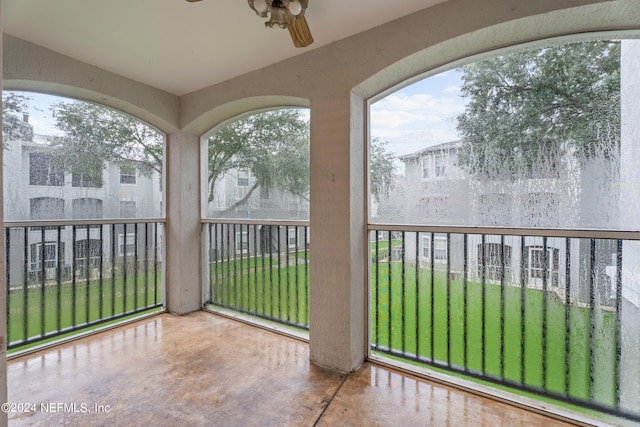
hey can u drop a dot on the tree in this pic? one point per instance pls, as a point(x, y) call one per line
point(13, 125)
point(95, 135)
point(381, 169)
point(273, 146)
point(524, 106)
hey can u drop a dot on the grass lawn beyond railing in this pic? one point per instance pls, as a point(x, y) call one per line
point(54, 309)
point(493, 331)
point(269, 286)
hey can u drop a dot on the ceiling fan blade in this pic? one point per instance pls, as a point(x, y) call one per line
point(192, 1)
point(300, 33)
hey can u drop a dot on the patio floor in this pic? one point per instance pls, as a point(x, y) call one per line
point(202, 369)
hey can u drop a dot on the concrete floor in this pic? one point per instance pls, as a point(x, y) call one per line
point(202, 369)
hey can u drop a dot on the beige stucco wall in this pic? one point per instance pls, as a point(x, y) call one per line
point(335, 82)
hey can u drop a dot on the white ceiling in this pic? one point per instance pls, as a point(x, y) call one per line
point(181, 47)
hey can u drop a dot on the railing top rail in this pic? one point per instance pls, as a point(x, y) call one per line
point(542, 232)
point(65, 222)
point(297, 223)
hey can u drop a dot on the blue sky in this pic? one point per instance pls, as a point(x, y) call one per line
point(40, 112)
point(419, 115)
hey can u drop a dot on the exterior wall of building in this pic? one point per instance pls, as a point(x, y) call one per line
point(76, 203)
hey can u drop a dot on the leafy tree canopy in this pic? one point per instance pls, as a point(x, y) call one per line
point(523, 106)
point(95, 135)
point(273, 146)
point(14, 105)
point(382, 171)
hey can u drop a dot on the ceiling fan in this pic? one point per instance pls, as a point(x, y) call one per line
point(285, 14)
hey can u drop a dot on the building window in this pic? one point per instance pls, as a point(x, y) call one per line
point(87, 208)
point(292, 237)
point(242, 242)
point(42, 171)
point(537, 264)
point(439, 247)
point(426, 165)
point(86, 180)
point(127, 209)
point(127, 246)
point(88, 251)
point(127, 175)
point(242, 178)
point(492, 261)
point(440, 165)
point(43, 208)
point(48, 253)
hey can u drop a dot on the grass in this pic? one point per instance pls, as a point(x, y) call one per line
point(54, 308)
point(505, 338)
point(265, 286)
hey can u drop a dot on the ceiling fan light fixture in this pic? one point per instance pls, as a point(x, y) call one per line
point(287, 14)
point(278, 16)
point(294, 7)
point(261, 7)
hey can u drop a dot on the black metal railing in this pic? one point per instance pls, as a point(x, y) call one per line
point(260, 269)
point(65, 276)
point(544, 311)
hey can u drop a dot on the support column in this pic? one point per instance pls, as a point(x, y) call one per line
point(182, 249)
point(337, 313)
point(3, 279)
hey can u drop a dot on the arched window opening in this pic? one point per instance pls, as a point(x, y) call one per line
point(505, 192)
point(256, 208)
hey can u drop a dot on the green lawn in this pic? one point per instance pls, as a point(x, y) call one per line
point(53, 308)
point(264, 286)
point(403, 321)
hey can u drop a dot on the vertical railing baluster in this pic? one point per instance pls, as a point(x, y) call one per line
point(503, 290)
point(227, 281)
point(448, 245)
point(545, 289)
point(216, 252)
point(114, 237)
point(42, 281)
point(25, 285)
point(483, 309)
point(125, 283)
point(136, 259)
point(465, 283)
point(390, 286)
point(60, 256)
point(100, 273)
point(280, 299)
point(146, 264)
point(255, 268)
point(263, 246)
point(417, 302)
point(156, 239)
point(286, 287)
point(567, 318)
point(618, 331)
point(376, 294)
point(592, 316)
point(403, 307)
point(7, 264)
point(296, 281)
point(87, 293)
point(241, 291)
point(73, 275)
point(432, 295)
point(306, 270)
point(523, 304)
point(271, 284)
